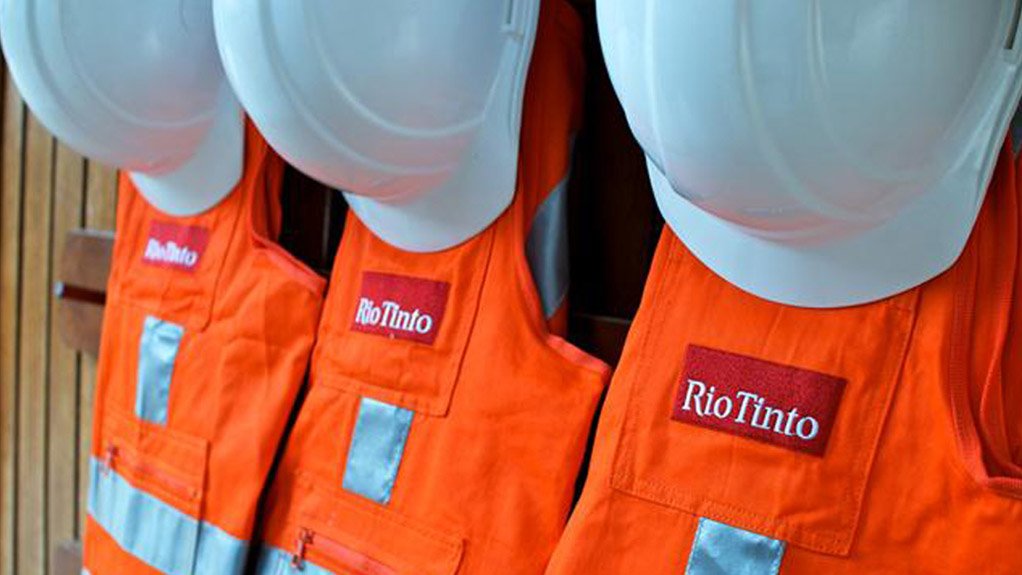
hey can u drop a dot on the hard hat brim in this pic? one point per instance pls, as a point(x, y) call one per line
point(484, 184)
point(211, 173)
point(917, 245)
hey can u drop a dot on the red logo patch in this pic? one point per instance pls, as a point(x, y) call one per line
point(174, 246)
point(778, 404)
point(401, 307)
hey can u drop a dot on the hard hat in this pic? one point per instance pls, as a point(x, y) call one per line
point(818, 153)
point(134, 84)
point(411, 108)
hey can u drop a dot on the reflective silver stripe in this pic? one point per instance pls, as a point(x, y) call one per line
point(273, 561)
point(720, 549)
point(156, 356)
point(156, 533)
point(377, 446)
point(547, 249)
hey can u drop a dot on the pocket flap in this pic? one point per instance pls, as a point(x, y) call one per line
point(397, 330)
point(162, 462)
point(755, 415)
point(346, 537)
point(147, 492)
point(170, 267)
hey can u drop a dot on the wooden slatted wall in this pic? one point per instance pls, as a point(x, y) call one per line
point(45, 387)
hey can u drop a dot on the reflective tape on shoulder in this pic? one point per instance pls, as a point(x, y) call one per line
point(273, 561)
point(158, 534)
point(720, 549)
point(377, 446)
point(546, 249)
point(157, 354)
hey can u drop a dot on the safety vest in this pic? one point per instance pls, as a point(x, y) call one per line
point(206, 337)
point(745, 437)
point(445, 423)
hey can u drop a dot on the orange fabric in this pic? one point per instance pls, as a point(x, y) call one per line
point(502, 407)
point(100, 549)
point(918, 476)
point(558, 323)
point(249, 312)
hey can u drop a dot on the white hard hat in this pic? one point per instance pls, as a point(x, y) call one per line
point(817, 153)
point(411, 108)
point(135, 84)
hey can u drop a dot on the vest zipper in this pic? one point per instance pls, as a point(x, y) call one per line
point(301, 545)
point(107, 463)
point(359, 564)
point(115, 457)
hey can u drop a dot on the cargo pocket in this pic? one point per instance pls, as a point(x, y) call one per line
point(761, 420)
point(388, 360)
point(147, 492)
point(347, 537)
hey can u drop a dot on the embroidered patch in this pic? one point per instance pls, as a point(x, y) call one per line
point(778, 404)
point(401, 307)
point(174, 246)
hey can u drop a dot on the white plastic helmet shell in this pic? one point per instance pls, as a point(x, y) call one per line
point(134, 84)
point(411, 108)
point(818, 153)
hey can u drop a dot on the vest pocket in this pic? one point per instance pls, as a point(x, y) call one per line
point(761, 417)
point(343, 536)
point(398, 331)
point(147, 492)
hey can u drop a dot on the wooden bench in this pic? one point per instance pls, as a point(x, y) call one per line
point(81, 295)
point(81, 288)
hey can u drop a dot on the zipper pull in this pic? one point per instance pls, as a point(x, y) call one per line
point(301, 545)
point(108, 458)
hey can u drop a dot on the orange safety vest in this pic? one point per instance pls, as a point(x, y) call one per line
point(445, 424)
point(746, 437)
point(206, 337)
